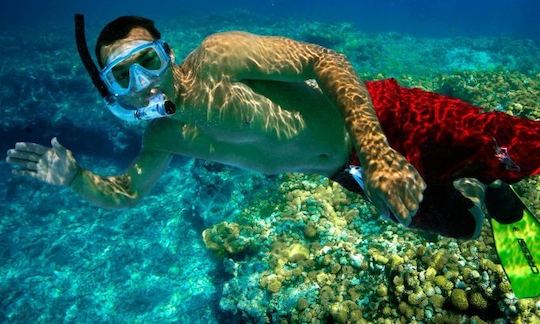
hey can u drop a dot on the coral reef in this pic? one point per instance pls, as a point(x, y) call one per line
point(322, 254)
point(511, 92)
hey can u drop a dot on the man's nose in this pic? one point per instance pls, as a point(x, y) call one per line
point(141, 82)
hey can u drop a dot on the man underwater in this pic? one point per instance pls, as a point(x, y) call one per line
point(273, 105)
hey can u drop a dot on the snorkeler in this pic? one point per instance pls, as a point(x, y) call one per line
point(273, 105)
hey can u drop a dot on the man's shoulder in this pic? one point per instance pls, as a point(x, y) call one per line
point(216, 51)
point(214, 48)
point(219, 43)
point(217, 38)
point(234, 38)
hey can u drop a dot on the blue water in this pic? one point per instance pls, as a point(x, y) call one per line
point(64, 260)
point(421, 17)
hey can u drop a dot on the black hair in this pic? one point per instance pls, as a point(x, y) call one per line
point(120, 28)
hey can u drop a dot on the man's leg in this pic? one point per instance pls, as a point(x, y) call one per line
point(446, 138)
point(497, 147)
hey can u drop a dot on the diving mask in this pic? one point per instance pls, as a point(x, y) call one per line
point(137, 68)
point(132, 71)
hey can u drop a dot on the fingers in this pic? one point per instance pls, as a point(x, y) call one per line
point(58, 147)
point(414, 188)
point(398, 185)
point(27, 173)
point(412, 198)
point(21, 155)
point(398, 208)
point(26, 155)
point(22, 159)
point(402, 202)
point(385, 202)
point(31, 148)
point(25, 164)
point(411, 203)
point(423, 185)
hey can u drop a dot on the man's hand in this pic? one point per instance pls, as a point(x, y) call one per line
point(393, 183)
point(54, 165)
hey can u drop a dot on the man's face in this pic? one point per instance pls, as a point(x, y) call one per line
point(133, 39)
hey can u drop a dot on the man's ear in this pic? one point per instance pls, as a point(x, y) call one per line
point(166, 47)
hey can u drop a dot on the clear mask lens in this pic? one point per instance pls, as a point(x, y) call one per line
point(136, 69)
point(147, 59)
point(140, 78)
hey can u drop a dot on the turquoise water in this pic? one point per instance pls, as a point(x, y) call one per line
point(64, 260)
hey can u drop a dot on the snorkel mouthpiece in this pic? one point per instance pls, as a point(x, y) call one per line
point(158, 105)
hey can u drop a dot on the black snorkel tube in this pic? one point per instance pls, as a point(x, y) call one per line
point(158, 105)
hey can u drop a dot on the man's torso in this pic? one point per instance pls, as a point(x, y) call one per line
point(320, 145)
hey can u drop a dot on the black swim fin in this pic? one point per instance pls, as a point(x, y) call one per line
point(503, 204)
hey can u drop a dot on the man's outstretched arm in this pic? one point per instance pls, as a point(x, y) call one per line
point(126, 189)
point(391, 180)
point(56, 165)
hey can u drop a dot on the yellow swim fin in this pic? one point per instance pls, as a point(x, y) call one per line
point(518, 247)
